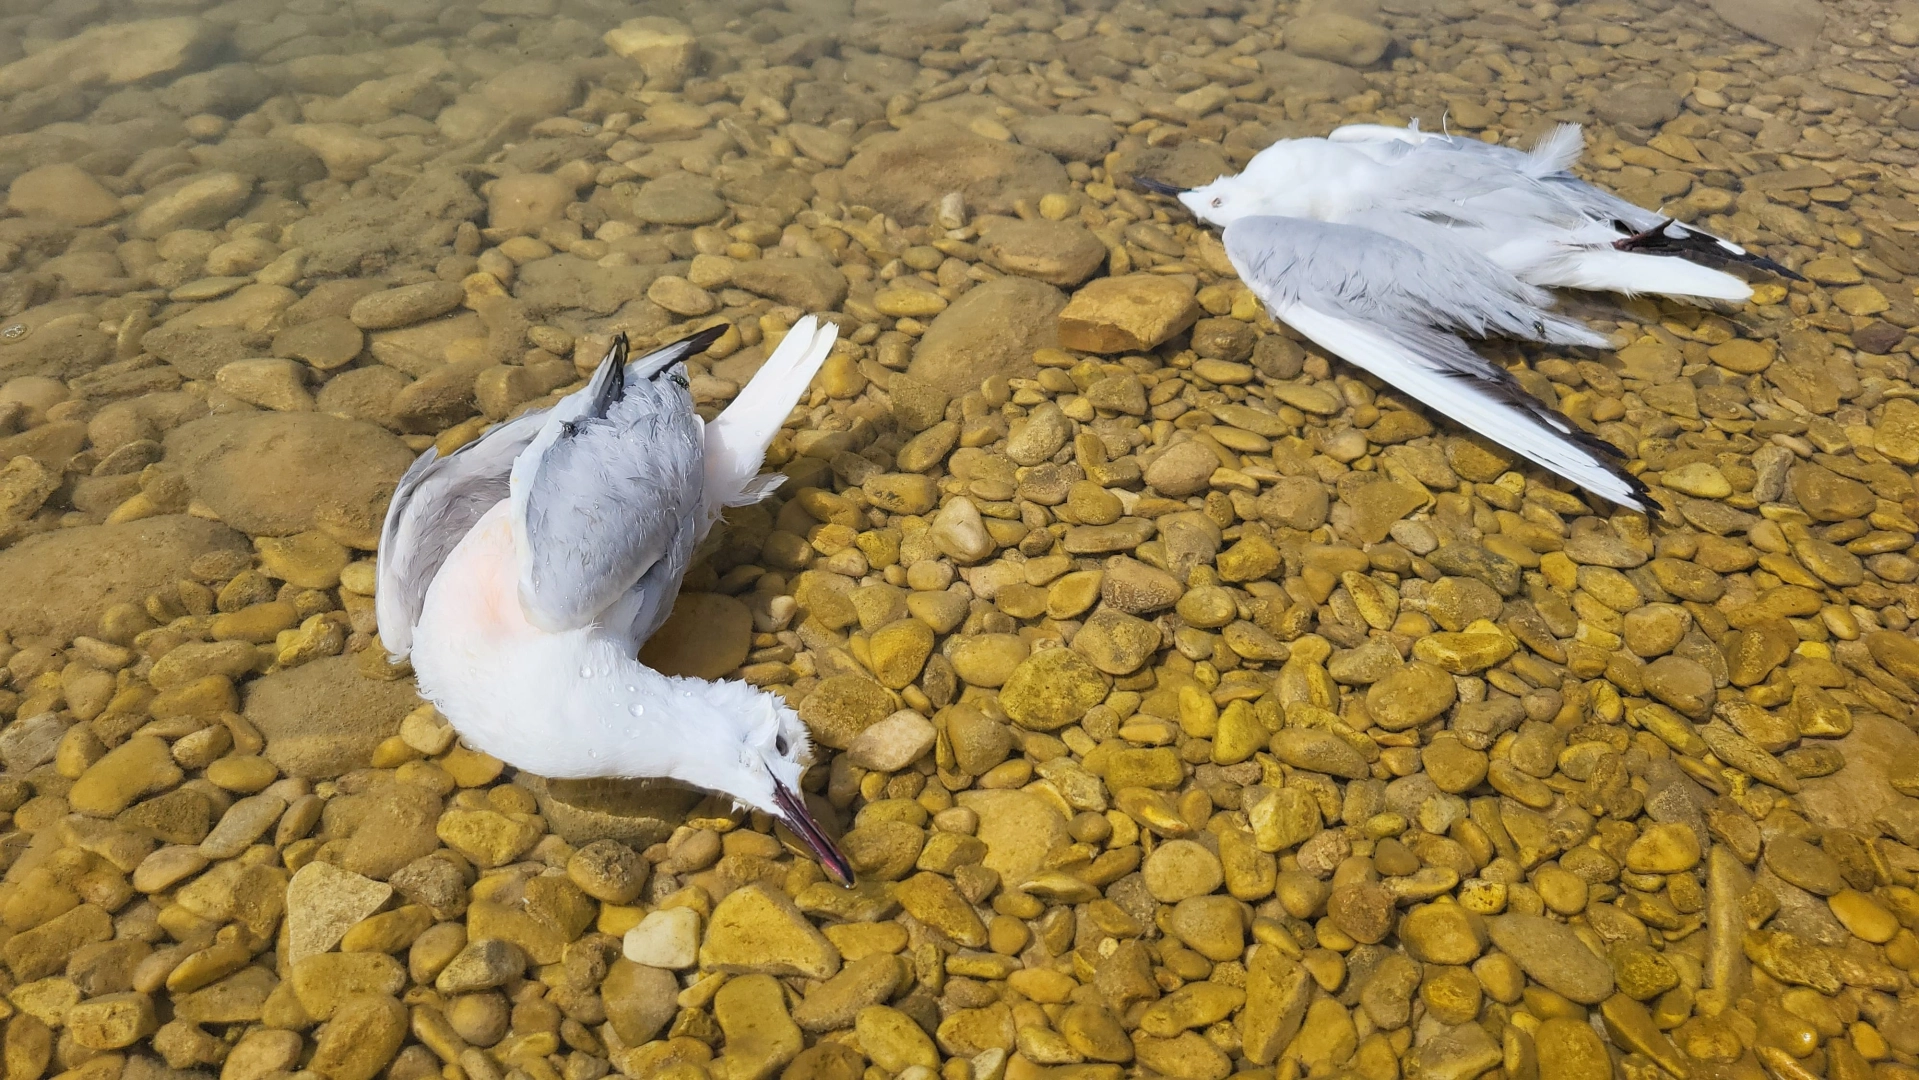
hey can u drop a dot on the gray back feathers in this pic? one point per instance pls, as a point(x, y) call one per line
point(606, 489)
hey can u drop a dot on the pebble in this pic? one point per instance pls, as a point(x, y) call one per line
point(669, 938)
point(64, 193)
point(1051, 689)
point(893, 743)
point(1184, 469)
point(361, 1038)
point(892, 1040)
point(1804, 865)
point(608, 870)
point(934, 900)
point(760, 1035)
point(139, 767)
point(488, 837)
point(1551, 954)
point(1059, 253)
point(1342, 39)
point(1664, 849)
point(1319, 750)
point(1410, 696)
point(1180, 869)
point(405, 305)
point(525, 201)
point(325, 982)
point(481, 965)
point(756, 930)
point(1135, 312)
point(1443, 933)
point(1570, 1050)
point(960, 533)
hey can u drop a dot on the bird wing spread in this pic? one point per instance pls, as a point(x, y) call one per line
point(603, 494)
point(436, 503)
point(1483, 184)
point(1386, 306)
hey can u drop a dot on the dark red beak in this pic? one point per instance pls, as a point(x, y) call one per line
point(795, 815)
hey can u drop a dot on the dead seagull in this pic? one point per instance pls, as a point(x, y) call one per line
point(522, 572)
point(1383, 244)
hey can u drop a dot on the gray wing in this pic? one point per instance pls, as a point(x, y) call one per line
point(436, 503)
point(603, 496)
point(1380, 278)
point(648, 603)
point(1386, 306)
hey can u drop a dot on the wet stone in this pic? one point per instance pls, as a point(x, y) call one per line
point(755, 930)
point(1553, 955)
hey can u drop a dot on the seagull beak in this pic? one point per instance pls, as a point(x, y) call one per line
point(793, 813)
point(1159, 187)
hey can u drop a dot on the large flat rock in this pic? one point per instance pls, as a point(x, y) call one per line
point(992, 330)
point(324, 718)
point(58, 584)
point(275, 473)
point(907, 173)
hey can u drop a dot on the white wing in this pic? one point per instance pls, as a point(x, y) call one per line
point(1530, 214)
point(1385, 305)
point(737, 439)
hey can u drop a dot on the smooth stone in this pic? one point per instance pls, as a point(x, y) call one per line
point(667, 938)
point(1551, 954)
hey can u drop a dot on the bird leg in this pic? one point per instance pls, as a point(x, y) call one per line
point(1649, 238)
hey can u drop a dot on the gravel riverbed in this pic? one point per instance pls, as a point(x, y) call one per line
point(1190, 705)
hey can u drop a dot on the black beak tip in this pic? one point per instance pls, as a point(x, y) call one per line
point(837, 868)
point(793, 813)
point(1159, 187)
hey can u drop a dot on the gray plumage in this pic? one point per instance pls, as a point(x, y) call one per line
point(1378, 278)
point(1459, 181)
point(1392, 307)
point(609, 497)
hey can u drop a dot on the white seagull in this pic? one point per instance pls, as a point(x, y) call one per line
point(1382, 244)
point(523, 571)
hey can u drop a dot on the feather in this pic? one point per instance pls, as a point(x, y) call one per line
point(737, 439)
point(1386, 305)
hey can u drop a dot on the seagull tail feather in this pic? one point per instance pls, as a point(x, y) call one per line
point(737, 439)
point(1494, 411)
point(1631, 273)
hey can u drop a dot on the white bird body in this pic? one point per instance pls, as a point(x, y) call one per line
point(522, 573)
point(574, 702)
point(1381, 244)
point(1522, 210)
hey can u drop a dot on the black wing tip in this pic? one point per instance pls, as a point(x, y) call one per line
point(1692, 242)
point(671, 355)
point(1764, 263)
point(1159, 187)
point(695, 344)
point(616, 352)
point(609, 380)
point(1640, 491)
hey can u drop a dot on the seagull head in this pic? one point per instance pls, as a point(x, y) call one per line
point(1218, 203)
point(755, 750)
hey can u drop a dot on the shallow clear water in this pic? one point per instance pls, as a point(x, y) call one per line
point(1325, 652)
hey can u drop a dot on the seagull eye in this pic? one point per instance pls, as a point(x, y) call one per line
point(780, 744)
point(1217, 202)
